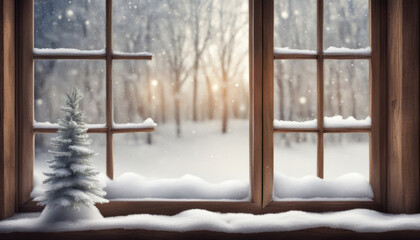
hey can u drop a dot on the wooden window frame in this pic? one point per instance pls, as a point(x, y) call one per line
point(261, 57)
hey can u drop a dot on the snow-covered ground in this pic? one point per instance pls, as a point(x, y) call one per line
point(359, 220)
point(205, 164)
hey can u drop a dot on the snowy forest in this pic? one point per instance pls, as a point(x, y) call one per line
point(196, 87)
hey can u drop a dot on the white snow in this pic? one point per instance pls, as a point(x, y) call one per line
point(329, 122)
point(349, 186)
point(280, 124)
point(67, 51)
point(49, 125)
point(286, 50)
point(339, 121)
point(53, 215)
point(133, 186)
point(148, 123)
point(343, 50)
point(359, 220)
point(136, 54)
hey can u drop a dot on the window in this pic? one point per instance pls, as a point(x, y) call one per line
point(319, 120)
point(172, 64)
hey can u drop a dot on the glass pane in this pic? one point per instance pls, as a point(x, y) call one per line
point(295, 90)
point(196, 88)
point(295, 154)
point(346, 153)
point(295, 24)
point(346, 92)
point(69, 24)
point(53, 78)
point(346, 24)
point(43, 144)
point(136, 95)
point(202, 164)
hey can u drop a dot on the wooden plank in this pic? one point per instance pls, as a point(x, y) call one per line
point(98, 130)
point(325, 130)
point(403, 102)
point(256, 103)
point(25, 100)
point(91, 57)
point(320, 88)
point(377, 105)
point(7, 109)
point(268, 100)
point(322, 55)
point(319, 206)
point(109, 94)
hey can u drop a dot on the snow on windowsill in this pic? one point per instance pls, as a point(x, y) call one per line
point(329, 122)
point(135, 54)
point(311, 188)
point(286, 50)
point(48, 125)
point(343, 50)
point(148, 123)
point(67, 51)
point(359, 220)
point(134, 187)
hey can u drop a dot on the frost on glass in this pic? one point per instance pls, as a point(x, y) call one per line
point(53, 78)
point(346, 88)
point(346, 153)
point(346, 23)
point(295, 85)
point(295, 154)
point(69, 24)
point(43, 145)
point(295, 24)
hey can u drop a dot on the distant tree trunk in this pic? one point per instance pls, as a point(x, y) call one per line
point(177, 116)
point(149, 87)
point(224, 104)
point(162, 103)
point(195, 89)
point(210, 101)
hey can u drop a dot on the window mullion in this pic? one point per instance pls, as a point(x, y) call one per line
point(109, 104)
point(320, 87)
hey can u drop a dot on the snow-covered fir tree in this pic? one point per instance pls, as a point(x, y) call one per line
point(73, 184)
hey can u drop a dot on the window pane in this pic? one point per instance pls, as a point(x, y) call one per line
point(69, 24)
point(43, 144)
point(53, 78)
point(346, 153)
point(295, 95)
point(295, 154)
point(346, 23)
point(201, 164)
point(295, 24)
point(346, 91)
point(136, 94)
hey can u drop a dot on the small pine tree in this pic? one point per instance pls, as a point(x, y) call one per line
point(73, 183)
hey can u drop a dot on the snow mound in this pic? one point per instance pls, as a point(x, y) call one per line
point(134, 54)
point(280, 124)
point(134, 186)
point(286, 50)
point(339, 121)
point(343, 50)
point(359, 220)
point(329, 122)
point(148, 123)
point(60, 214)
point(67, 51)
point(351, 185)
